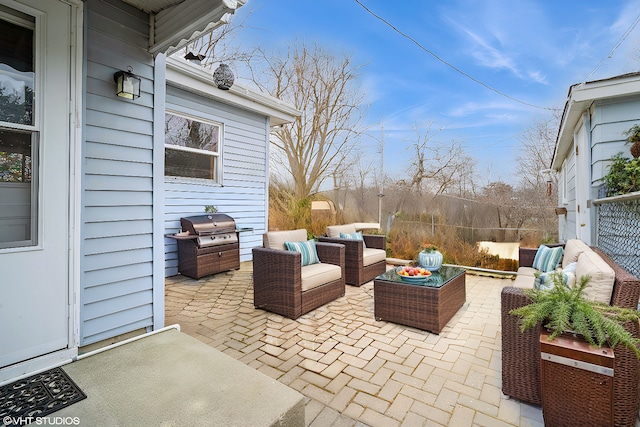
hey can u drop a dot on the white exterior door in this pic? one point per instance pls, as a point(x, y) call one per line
point(36, 299)
point(583, 184)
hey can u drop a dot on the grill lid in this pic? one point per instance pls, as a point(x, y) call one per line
point(211, 229)
point(208, 224)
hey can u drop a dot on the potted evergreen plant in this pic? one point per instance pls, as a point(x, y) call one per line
point(563, 309)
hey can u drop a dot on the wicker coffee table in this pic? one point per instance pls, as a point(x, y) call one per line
point(427, 306)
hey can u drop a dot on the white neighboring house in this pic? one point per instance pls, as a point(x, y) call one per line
point(595, 118)
point(237, 165)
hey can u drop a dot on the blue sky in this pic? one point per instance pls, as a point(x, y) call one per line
point(529, 50)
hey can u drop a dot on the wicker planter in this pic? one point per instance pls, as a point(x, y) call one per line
point(577, 382)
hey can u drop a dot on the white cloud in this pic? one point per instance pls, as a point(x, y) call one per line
point(537, 77)
point(489, 56)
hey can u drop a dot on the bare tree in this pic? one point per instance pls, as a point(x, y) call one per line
point(442, 167)
point(320, 143)
point(536, 152)
point(538, 184)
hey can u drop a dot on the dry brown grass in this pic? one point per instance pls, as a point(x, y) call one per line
point(405, 241)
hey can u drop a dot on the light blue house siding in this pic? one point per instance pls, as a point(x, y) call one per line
point(243, 193)
point(596, 117)
point(609, 121)
point(117, 177)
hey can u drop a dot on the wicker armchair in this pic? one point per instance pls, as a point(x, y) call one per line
point(283, 286)
point(521, 351)
point(361, 264)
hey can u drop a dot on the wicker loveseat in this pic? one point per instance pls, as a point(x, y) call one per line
point(281, 284)
point(363, 261)
point(521, 350)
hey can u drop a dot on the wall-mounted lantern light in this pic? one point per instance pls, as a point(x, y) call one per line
point(223, 77)
point(127, 84)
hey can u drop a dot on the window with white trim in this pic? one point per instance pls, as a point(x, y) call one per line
point(19, 130)
point(192, 148)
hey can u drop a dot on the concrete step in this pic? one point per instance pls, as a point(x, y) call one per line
point(172, 379)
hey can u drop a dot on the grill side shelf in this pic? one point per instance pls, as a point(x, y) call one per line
point(180, 236)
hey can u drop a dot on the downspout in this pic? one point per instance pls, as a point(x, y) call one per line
point(267, 125)
point(158, 273)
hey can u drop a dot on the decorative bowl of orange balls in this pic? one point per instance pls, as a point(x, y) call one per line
point(413, 274)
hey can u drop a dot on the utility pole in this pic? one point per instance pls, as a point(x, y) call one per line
point(381, 180)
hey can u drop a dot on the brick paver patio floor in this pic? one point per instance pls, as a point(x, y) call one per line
point(354, 370)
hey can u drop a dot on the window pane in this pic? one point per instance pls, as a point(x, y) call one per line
point(189, 164)
point(184, 132)
point(17, 188)
point(16, 69)
point(15, 156)
point(197, 146)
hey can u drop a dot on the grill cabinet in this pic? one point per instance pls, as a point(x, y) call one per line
point(211, 245)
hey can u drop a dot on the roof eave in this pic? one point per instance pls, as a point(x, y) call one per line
point(579, 100)
point(173, 27)
point(195, 79)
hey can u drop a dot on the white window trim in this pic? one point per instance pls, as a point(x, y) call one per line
point(563, 180)
point(218, 181)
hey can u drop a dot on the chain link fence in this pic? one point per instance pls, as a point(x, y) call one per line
point(618, 230)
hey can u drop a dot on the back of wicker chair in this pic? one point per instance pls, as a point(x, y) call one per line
point(357, 274)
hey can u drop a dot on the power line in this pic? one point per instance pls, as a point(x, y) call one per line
point(610, 55)
point(414, 41)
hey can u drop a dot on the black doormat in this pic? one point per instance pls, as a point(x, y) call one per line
point(24, 400)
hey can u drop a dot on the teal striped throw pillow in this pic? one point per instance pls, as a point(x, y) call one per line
point(354, 236)
point(545, 281)
point(547, 259)
point(307, 249)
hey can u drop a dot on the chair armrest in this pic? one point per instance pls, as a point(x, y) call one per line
point(375, 241)
point(520, 350)
point(526, 256)
point(274, 265)
point(331, 253)
point(512, 298)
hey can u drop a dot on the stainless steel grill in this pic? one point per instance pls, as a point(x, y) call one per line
point(211, 230)
point(208, 244)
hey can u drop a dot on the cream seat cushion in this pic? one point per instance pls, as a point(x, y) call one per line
point(600, 286)
point(527, 271)
point(525, 278)
point(315, 275)
point(276, 239)
point(371, 256)
point(572, 249)
point(335, 230)
point(524, 282)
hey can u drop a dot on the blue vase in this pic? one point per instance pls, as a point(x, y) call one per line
point(432, 261)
